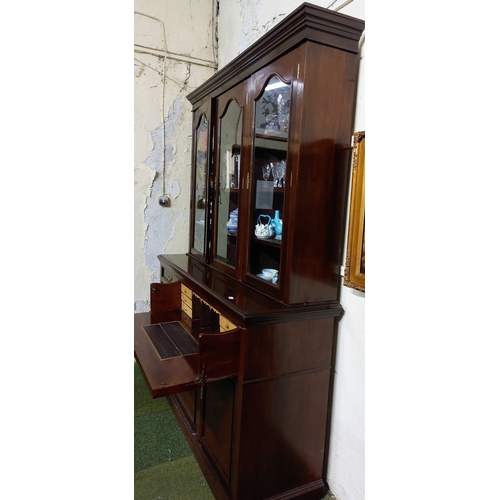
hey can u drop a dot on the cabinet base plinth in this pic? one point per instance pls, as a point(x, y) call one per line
point(312, 491)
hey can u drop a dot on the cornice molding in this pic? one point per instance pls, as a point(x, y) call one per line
point(307, 22)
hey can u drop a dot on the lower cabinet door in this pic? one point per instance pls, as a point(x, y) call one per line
point(218, 423)
point(188, 403)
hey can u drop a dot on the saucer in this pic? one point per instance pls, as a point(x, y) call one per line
point(266, 278)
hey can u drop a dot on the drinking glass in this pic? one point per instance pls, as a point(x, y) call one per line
point(280, 173)
point(274, 169)
point(266, 171)
point(283, 172)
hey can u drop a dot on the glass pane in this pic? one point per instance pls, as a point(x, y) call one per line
point(269, 171)
point(229, 182)
point(201, 184)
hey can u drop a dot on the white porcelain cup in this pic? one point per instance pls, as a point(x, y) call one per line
point(270, 274)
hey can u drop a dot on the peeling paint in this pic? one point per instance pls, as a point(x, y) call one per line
point(175, 189)
point(141, 306)
point(272, 22)
point(250, 16)
point(138, 69)
point(165, 229)
point(162, 222)
point(154, 160)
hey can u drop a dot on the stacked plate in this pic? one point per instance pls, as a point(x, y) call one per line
point(232, 223)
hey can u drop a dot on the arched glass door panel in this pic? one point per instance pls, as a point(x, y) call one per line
point(200, 180)
point(228, 197)
point(272, 110)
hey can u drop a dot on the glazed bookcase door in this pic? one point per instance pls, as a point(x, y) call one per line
point(227, 232)
point(269, 164)
point(200, 206)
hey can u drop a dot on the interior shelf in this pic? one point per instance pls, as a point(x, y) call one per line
point(273, 242)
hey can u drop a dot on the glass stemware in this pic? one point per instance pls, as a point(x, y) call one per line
point(274, 169)
point(266, 171)
point(283, 113)
point(271, 124)
point(279, 173)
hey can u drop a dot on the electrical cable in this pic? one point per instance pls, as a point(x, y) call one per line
point(162, 106)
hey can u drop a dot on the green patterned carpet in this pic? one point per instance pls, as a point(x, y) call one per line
point(164, 467)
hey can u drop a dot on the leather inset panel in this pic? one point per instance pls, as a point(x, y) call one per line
point(171, 340)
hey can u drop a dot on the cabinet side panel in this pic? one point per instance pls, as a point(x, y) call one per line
point(320, 185)
point(282, 438)
point(278, 349)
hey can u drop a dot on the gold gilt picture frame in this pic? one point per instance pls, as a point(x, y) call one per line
point(354, 272)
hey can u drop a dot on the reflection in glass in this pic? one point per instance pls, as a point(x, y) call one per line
point(273, 109)
point(272, 112)
point(229, 181)
point(279, 171)
point(201, 184)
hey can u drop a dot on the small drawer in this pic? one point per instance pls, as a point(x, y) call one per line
point(168, 275)
point(186, 291)
point(225, 325)
point(187, 309)
point(187, 301)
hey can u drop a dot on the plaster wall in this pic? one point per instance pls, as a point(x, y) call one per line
point(346, 460)
point(192, 31)
point(184, 30)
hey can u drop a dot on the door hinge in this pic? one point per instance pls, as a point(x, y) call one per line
point(199, 378)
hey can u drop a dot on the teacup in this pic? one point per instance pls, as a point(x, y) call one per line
point(270, 274)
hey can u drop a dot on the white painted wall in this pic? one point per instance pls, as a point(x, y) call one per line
point(159, 230)
point(188, 37)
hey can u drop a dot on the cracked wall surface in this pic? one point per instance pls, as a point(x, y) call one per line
point(255, 17)
point(189, 62)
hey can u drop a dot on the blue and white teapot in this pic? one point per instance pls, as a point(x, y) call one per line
point(264, 229)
